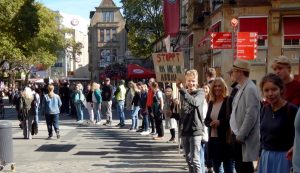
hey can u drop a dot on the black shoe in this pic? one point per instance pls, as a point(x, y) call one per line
point(122, 125)
point(118, 125)
point(140, 130)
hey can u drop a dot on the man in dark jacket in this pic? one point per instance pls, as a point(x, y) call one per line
point(107, 94)
point(192, 119)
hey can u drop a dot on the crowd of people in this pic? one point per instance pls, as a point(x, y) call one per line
point(220, 128)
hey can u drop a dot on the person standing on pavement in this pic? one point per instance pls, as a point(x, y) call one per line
point(217, 121)
point(244, 119)
point(157, 108)
point(129, 97)
point(26, 113)
point(276, 127)
point(51, 104)
point(79, 100)
point(89, 103)
point(282, 66)
point(97, 99)
point(120, 98)
point(192, 119)
point(106, 106)
point(149, 103)
point(169, 105)
point(64, 94)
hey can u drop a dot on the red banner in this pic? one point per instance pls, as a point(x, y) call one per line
point(246, 45)
point(221, 40)
point(171, 17)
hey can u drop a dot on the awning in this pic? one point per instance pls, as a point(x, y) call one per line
point(255, 24)
point(214, 28)
point(291, 27)
point(135, 71)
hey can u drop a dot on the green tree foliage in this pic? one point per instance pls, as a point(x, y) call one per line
point(29, 34)
point(144, 25)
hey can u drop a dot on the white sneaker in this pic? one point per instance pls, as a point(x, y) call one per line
point(145, 133)
point(98, 123)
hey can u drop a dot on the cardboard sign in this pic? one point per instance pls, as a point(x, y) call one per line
point(221, 40)
point(246, 46)
point(169, 67)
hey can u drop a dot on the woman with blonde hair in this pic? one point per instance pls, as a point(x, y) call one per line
point(217, 121)
point(79, 100)
point(50, 108)
point(26, 114)
point(97, 99)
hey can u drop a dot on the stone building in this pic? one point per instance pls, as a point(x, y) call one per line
point(275, 21)
point(107, 37)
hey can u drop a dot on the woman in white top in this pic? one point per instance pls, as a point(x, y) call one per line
point(217, 121)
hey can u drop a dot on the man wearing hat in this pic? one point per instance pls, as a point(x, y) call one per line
point(244, 120)
point(120, 97)
point(282, 67)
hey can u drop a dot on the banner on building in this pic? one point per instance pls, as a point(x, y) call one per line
point(169, 67)
point(171, 17)
point(246, 45)
point(221, 40)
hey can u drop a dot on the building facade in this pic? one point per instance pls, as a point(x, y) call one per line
point(275, 21)
point(107, 37)
point(69, 65)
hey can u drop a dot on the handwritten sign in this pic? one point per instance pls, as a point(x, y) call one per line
point(168, 67)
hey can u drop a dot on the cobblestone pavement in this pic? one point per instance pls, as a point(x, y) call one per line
point(92, 149)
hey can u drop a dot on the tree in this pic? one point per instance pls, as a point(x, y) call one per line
point(144, 25)
point(30, 34)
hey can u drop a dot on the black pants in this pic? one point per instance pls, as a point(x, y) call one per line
point(240, 166)
point(159, 127)
point(151, 119)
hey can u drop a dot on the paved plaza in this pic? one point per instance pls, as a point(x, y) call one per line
point(84, 148)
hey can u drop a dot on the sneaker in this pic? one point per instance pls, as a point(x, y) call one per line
point(122, 125)
point(171, 141)
point(131, 130)
point(145, 133)
point(158, 138)
point(152, 133)
point(140, 130)
point(98, 123)
point(49, 138)
point(80, 121)
point(118, 125)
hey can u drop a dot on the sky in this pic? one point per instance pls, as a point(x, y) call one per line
point(79, 9)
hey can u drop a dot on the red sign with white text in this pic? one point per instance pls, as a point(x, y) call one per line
point(221, 40)
point(246, 45)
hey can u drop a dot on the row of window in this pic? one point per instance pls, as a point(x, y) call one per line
point(108, 16)
point(107, 35)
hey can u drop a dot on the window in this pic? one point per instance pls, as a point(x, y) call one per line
point(255, 24)
point(101, 35)
point(108, 16)
point(114, 34)
point(291, 31)
point(107, 38)
point(107, 35)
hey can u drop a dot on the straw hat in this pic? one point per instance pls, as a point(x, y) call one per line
point(241, 65)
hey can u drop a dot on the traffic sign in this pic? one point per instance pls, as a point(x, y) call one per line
point(246, 46)
point(234, 22)
point(221, 40)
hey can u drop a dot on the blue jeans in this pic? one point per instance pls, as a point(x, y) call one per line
point(192, 148)
point(134, 117)
point(146, 122)
point(79, 111)
point(202, 156)
point(120, 110)
point(52, 120)
point(36, 118)
point(218, 158)
point(96, 107)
